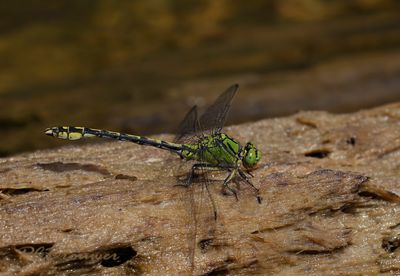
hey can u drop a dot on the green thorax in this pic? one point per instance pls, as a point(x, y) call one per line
point(217, 149)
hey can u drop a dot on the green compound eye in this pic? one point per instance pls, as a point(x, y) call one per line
point(252, 156)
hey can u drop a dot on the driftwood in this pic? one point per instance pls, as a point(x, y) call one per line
point(329, 183)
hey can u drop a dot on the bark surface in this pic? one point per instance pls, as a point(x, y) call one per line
point(330, 186)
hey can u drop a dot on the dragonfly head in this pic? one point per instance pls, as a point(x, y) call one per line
point(251, 156)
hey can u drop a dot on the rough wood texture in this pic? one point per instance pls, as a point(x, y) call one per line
point(330, 188)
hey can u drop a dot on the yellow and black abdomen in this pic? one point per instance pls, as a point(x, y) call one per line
point(76, 133)
point(68, 132)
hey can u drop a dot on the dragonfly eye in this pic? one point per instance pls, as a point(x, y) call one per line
point(252, 156)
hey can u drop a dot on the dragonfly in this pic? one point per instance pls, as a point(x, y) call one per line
point(206, 143)
point(198, 139)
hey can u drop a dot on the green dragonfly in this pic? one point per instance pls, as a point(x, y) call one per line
point(198, 139)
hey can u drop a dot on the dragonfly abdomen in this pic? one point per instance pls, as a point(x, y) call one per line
point(76, 133)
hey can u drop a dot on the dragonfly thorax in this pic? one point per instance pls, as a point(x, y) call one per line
point(223, 151)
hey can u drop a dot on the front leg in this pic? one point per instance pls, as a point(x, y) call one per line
point(256, 190)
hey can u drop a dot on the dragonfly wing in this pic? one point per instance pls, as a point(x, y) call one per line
point(214, 117)
point(212, 120)
point(203, 215)
point(188, 127)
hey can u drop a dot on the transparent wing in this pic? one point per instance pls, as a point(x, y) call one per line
point(203, 214)
point(213, 118)
point(188, 127)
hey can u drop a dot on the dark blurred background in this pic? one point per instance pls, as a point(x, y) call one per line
point(138, 66)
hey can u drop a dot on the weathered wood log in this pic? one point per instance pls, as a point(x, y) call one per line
point(329, 183)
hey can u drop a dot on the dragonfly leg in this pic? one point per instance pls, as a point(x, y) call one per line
point(244, 176)
point(199, 166)
point(226, 183)
point(256, 190)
